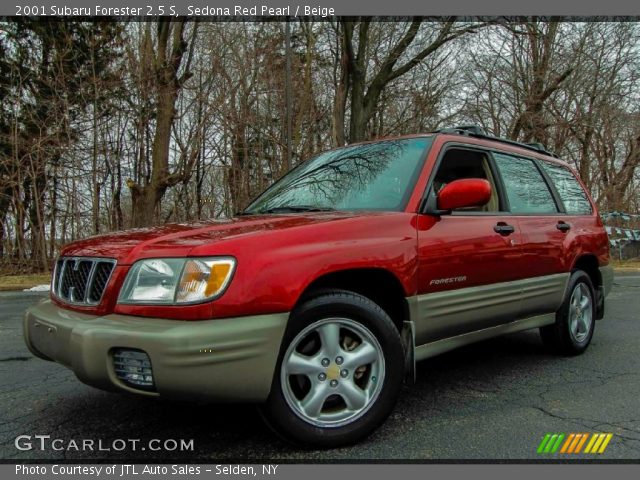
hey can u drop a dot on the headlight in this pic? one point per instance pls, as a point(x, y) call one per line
point(166, 281)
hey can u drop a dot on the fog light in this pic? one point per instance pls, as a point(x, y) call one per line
point(133, 367)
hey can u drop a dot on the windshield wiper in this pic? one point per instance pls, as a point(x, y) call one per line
point(296, 208)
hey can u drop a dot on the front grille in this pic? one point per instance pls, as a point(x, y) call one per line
point(81, 280)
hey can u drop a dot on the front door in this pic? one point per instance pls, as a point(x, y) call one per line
point(469, 260)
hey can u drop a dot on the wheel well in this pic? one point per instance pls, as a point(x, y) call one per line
point(589, 265)
point(378, 285)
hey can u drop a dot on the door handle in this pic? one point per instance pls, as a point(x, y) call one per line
point(504, 229)
point(563, 226)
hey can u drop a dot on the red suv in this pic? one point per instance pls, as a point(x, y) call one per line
point(317, 300)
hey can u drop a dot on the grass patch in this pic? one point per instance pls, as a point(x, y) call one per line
point(633, 264)
point(20, 282)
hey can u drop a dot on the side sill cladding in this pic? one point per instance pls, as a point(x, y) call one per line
point(447, 314)
point(444, 321)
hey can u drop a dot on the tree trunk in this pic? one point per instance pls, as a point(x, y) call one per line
point(166, 61)
point(342, 87)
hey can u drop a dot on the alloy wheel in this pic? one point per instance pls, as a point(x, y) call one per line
point(332, 372)
point(580, 312)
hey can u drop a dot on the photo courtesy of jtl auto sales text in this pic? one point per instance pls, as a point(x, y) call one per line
point(123, 470)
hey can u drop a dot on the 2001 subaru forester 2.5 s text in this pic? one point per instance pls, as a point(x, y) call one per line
point(317, 300)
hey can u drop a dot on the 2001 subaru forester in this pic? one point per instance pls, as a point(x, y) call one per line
point(317, 300)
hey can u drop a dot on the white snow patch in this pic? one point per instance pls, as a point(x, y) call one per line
point(38, 288)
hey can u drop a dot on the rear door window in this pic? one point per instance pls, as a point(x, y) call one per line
point(526, 189)
point(571, 193)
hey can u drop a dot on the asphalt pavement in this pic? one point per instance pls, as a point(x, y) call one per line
point(493, 400)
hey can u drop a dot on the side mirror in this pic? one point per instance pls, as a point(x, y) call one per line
point(464, 193)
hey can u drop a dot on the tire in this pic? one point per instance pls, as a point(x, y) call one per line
point(573, 329)
point(322, 396)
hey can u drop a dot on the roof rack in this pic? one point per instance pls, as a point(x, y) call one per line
point(479, 132)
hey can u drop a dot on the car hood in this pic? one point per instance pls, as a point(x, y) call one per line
point(181, 238)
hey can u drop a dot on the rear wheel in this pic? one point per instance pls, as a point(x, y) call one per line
point(339, 371)
point(575, 320)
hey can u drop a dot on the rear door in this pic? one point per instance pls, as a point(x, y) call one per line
point(584, 233)
point(534, 206)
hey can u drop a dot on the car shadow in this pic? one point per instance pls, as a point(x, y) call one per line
point(517, 350)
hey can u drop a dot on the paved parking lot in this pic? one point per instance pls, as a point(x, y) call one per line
point(493, 400)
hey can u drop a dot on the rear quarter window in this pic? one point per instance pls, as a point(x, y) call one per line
point(571, 193)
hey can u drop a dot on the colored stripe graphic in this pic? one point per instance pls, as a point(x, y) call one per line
point(551, 442)
point(594, 437)
point(596, 445)
point(581, 443)
point(555, 447)
point(607, 439)
point(572, 443)
point(591, 446)
point(543, 443)
point(565, 447)
point(598, 442)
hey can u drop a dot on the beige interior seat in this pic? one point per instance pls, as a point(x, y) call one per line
point(493, 205)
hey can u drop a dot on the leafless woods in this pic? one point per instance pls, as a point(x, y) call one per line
point(105, 125)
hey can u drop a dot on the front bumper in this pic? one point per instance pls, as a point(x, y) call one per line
point(229, 359)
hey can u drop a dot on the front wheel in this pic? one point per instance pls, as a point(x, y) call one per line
point(339, 371)
point(575, 320)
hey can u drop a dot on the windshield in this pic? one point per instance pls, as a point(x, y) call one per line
point(373, 176)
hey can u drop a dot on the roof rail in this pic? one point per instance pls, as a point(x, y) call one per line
point(479, 132)
point(465, 130)
point(537, 145)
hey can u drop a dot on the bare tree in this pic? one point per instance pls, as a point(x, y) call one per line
point(365, 87)
point(160, 61)
point(108, 125)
